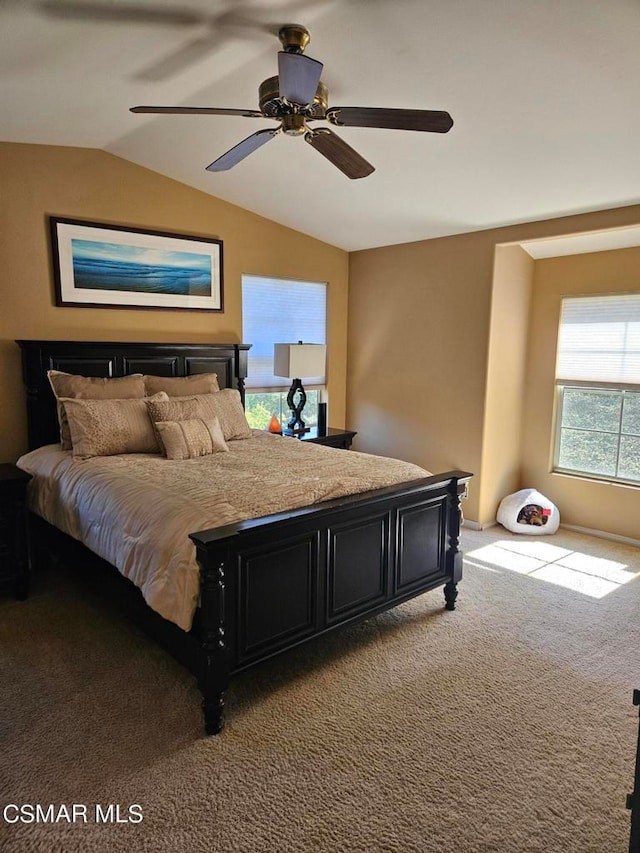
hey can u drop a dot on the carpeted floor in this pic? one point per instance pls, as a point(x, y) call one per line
point(505, 726)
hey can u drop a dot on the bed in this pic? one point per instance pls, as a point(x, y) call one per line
point(264, 584)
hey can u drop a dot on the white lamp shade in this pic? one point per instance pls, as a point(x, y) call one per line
point(299, 361)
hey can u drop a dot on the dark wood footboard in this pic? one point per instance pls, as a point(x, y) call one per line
point(273, 583)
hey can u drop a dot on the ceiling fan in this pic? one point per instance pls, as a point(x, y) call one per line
point(295, 98)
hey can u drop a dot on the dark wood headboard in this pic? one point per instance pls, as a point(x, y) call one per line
point(109, 359)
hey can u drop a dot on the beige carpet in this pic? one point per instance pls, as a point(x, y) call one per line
point(505, 726)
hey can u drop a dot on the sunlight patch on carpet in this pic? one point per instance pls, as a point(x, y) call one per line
point(575, 570)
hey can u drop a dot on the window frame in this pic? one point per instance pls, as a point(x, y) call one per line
point(567, 378)
point(607, 387)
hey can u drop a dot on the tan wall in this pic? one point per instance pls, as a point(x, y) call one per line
point(582, 502)
point(432, 325)
point(418, 350)
point(38, 181)
point(420, 317)
point(506, 375)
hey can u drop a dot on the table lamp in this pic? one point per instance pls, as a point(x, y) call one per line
point(295, 362)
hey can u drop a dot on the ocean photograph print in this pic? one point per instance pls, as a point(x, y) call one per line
point(112, 266)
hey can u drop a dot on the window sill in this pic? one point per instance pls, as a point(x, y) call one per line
point(592, 478)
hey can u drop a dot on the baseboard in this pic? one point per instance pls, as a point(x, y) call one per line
point(602, 534)
point(588, 531)
point(476, 525)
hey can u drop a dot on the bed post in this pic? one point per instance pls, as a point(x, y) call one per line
point(633, 800)
point(214, 666)
point(240, 368)
point(454, 556)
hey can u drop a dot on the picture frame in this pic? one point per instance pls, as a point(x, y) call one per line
point(113, 266)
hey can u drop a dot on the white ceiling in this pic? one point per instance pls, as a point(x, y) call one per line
point(544, 96)
point(580, 244)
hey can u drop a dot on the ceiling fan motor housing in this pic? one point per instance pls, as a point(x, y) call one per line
point(271, 103)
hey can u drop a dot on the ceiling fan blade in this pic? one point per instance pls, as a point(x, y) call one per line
point(298, 77)
point(197, 111)
point(339, 153)
point(434, 121)
point(122, 12)
point(241, 150)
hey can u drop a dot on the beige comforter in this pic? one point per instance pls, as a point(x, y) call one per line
point(136, 511)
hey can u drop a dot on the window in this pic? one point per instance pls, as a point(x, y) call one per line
point(280, 311)
point(598, 386)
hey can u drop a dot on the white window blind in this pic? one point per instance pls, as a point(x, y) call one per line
point(280, 311)
point(599, 339)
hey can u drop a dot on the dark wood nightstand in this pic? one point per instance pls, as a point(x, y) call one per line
point(341, 438)
point(14, 543)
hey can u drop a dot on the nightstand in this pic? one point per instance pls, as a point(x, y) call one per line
point(14, 543)
point(341, 438)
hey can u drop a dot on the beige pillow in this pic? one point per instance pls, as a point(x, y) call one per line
point(182, 386)
point(69, 385)
point(110, 427)
point(225, 405)
point(191, 438)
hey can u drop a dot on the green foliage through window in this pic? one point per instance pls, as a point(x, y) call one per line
point(259, 408)
point(600, 433)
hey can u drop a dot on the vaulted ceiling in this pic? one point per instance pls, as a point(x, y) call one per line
point(544, 97)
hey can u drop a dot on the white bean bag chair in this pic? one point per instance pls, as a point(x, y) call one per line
point(527, 511)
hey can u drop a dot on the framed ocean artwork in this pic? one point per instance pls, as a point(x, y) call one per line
point(112, 266)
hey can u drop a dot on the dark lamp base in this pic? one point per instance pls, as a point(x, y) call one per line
point(296, 424)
